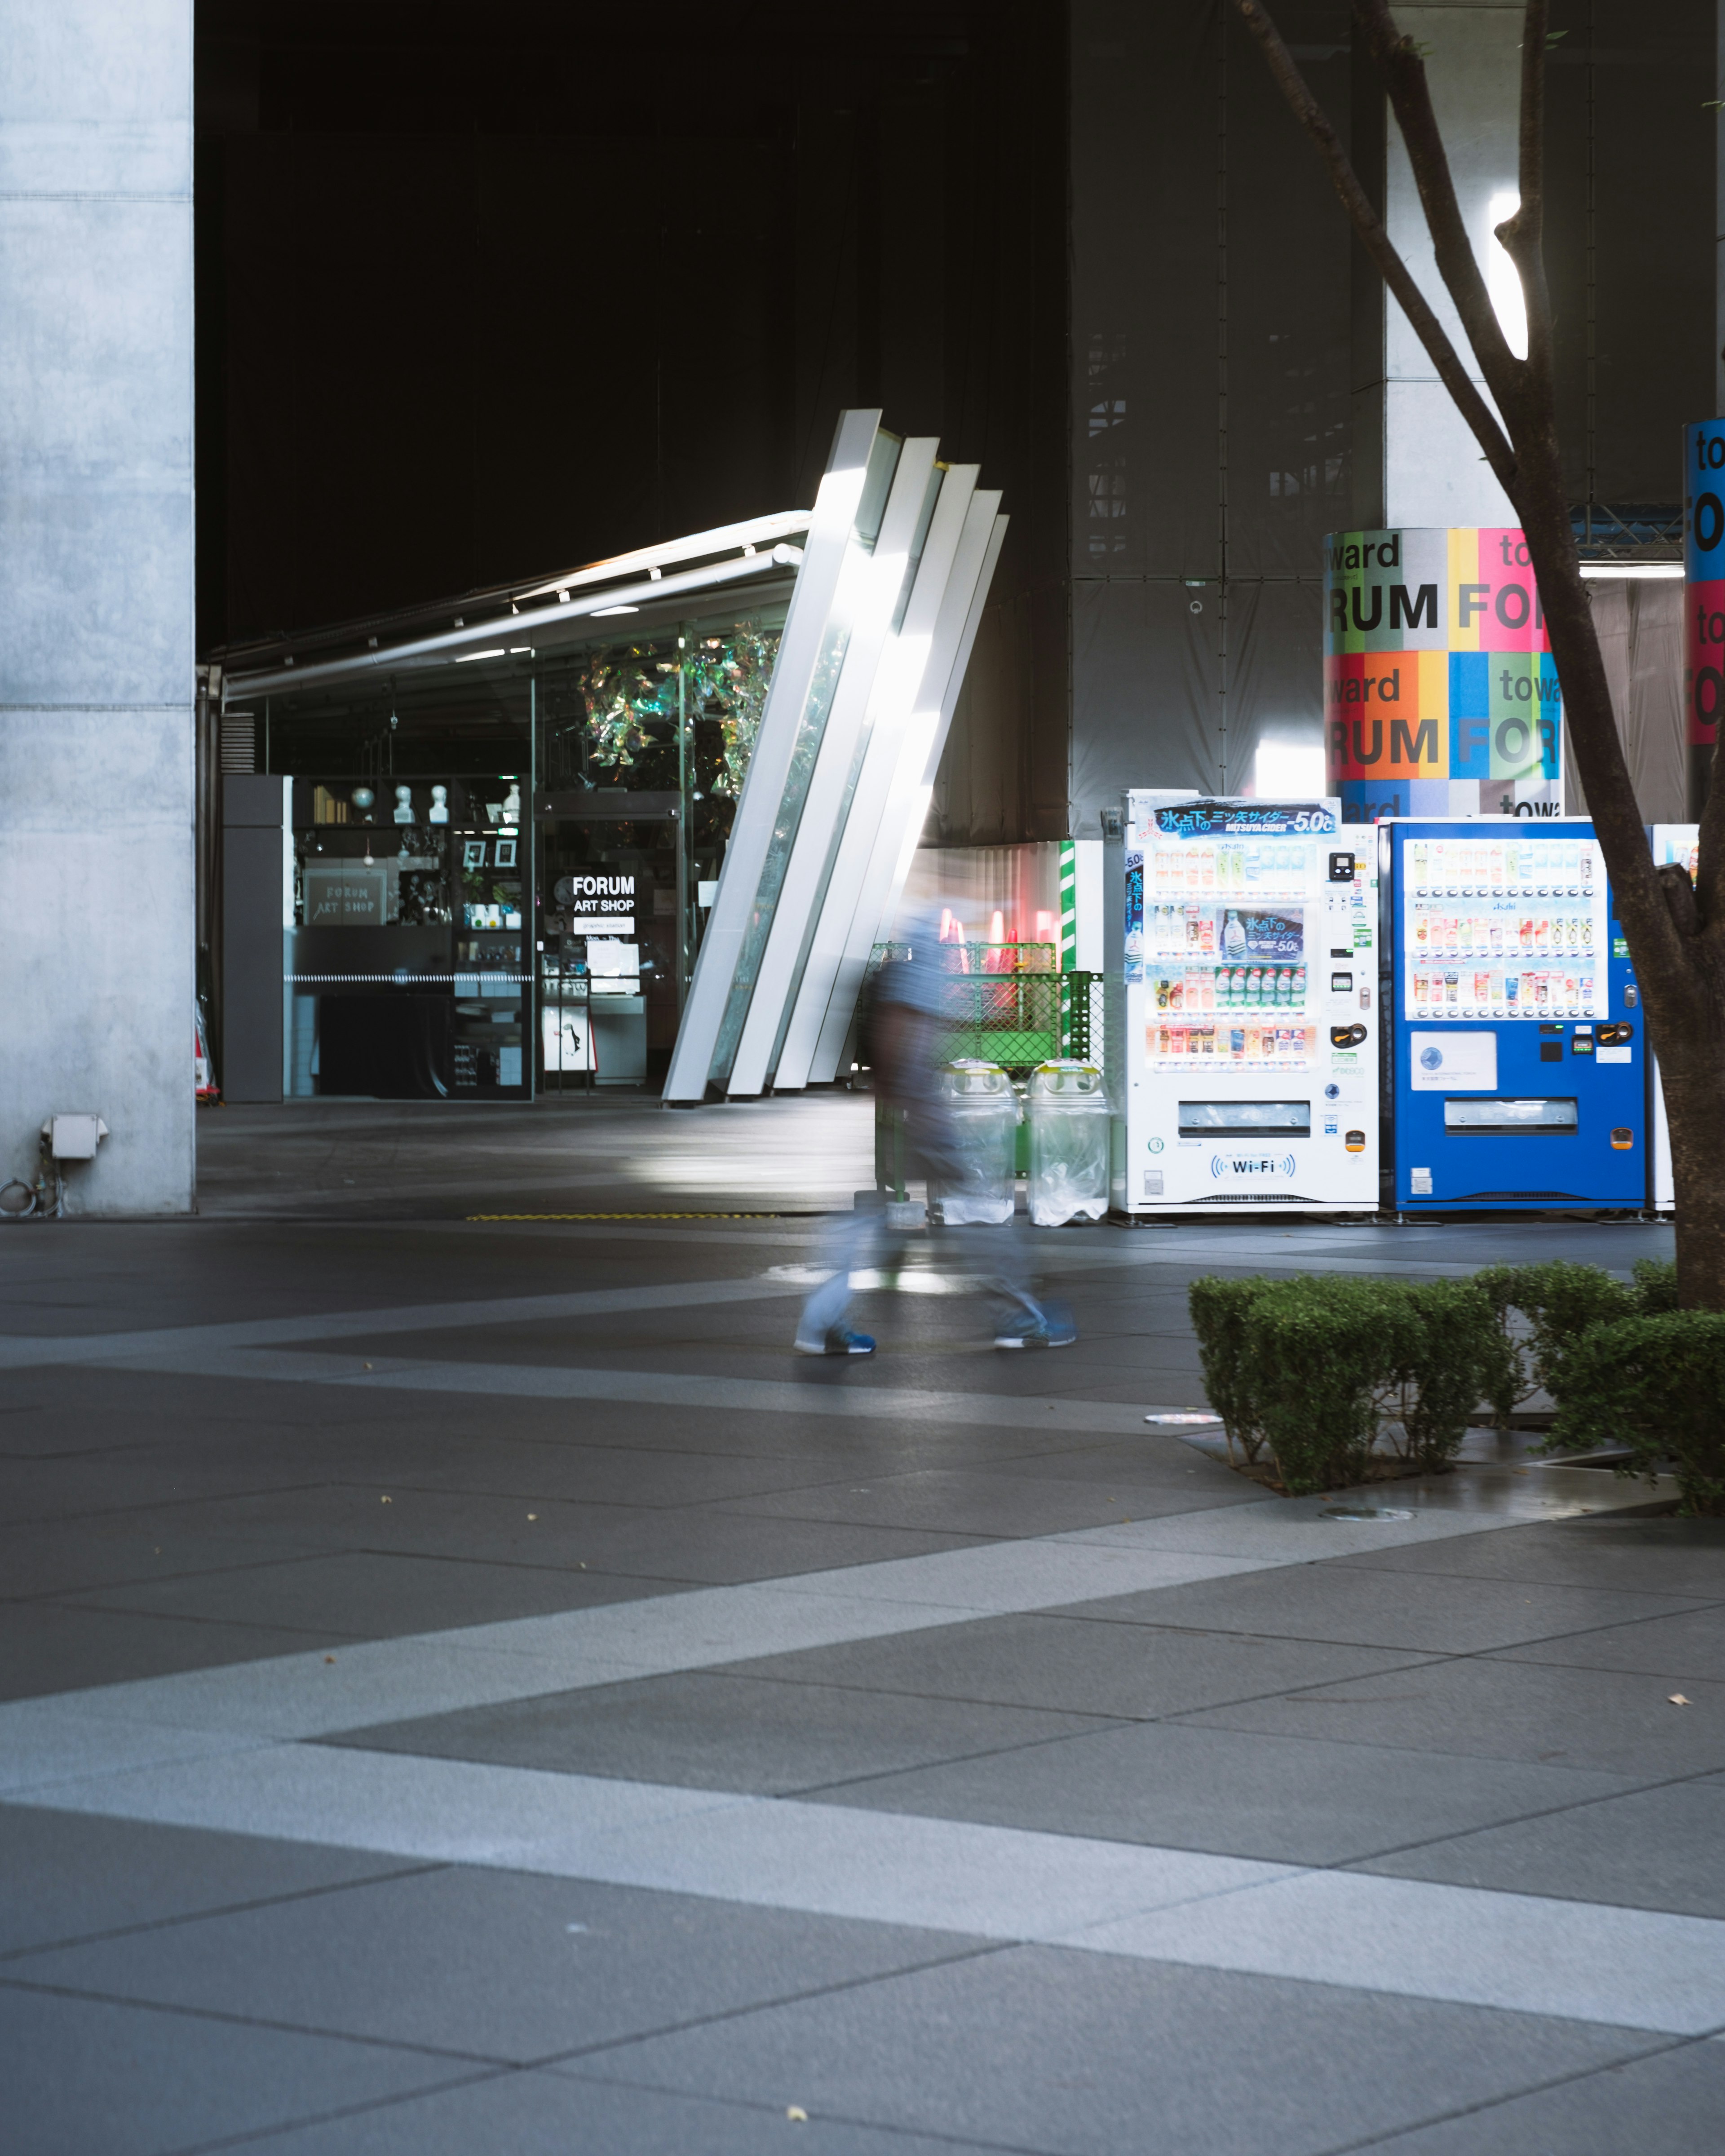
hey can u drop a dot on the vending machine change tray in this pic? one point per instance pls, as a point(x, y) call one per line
point(1245, 1119)
point(1548, 1118)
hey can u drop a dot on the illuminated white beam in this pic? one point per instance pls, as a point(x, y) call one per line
point(452, 643)
point(799, 685)
point(749, 536)
point(883, 582)
point(900, 683)
point(925, 738)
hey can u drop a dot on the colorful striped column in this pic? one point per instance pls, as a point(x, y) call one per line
point(1069, 906)
point(1703, 599)
point(1440, 694)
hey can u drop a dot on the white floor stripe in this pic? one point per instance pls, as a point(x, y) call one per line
point(1642, 1968)
point(866, 1399)
point(20, 1350)
point(1627, 1967)
point(114, 1728)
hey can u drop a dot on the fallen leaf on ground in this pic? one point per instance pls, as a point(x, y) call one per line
point(795, 2111)
point(329, 1658)
point(1677, 1699)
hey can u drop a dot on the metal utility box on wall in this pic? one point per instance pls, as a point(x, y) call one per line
point(253, 835)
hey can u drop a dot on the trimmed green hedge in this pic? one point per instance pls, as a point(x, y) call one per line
point(1322, 1369)
point(1318, 1368)
point(1657, 1384)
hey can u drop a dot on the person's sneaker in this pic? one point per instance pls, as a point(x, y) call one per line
point(838, 1341)
point(1052, 1328)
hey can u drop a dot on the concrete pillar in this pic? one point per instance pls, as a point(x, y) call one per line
point(96, 630)
point(1415, 462)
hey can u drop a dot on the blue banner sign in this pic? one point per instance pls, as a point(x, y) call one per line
point(1266, 820)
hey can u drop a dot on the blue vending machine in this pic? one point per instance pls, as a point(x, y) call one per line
point(1519, 1067)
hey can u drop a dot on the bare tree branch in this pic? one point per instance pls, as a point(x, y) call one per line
point(1431, 332)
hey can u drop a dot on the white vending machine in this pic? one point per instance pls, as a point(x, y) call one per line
point(1671, 842)
point(1242, 977)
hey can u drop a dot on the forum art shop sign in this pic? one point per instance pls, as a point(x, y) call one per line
point(1440, 693)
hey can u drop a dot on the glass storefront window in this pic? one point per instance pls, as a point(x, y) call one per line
point(496, 861)
point(404, 969)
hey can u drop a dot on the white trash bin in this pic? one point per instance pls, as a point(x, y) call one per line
point(1067, 1104)
point(982, 1111)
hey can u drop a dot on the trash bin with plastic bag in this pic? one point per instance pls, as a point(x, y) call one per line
point(976, 1178)
point(1067, 1105)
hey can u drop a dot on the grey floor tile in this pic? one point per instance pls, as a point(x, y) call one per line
point(619, 1473)
point(1603, 1719)
point(535, 1530)
point(54, 1646)
point(703, 1731)
point(496, 1965)
point(86, 2077)
point(1179, 1785)
point(1067, 1662)
point(721, 1547)
point(89, 1485)
point(368, 1594)
point(529, 2114)
point(147, 1544)
point(1087, 2056)
point(1671, 2104)
point(65, 1875)
point(1648, 1849)
point(1425, 1611)
point(1641, 1556)
point(1691, 1644)
point(975, 1502)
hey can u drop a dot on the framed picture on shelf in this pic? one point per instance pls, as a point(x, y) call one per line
point(503, 853)
point(473, 853)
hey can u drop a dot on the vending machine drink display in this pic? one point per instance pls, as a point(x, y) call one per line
point(1243, 1035)
point(1519, 1053)
point(1679, 843)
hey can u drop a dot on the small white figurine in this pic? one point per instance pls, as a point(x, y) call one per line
point(512, 804)
point(403, 804)
point(439, 805)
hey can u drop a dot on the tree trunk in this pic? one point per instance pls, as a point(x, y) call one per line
point(1677, 959)
point(1676, 933)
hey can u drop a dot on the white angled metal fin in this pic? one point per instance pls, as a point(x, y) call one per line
point(909, 671)
point(882, 585)
point(801, 679)
point(924, 737)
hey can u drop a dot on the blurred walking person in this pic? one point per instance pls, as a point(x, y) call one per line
point(907, 1027)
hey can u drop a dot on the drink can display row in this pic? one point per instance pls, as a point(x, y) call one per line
point(1479, 935)
point(1265, 865)
point(1548, 868)
point(1458, 992)
point(1248, 1044)
point(1231, 987)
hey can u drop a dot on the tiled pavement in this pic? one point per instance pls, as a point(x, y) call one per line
point(536, 1713)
